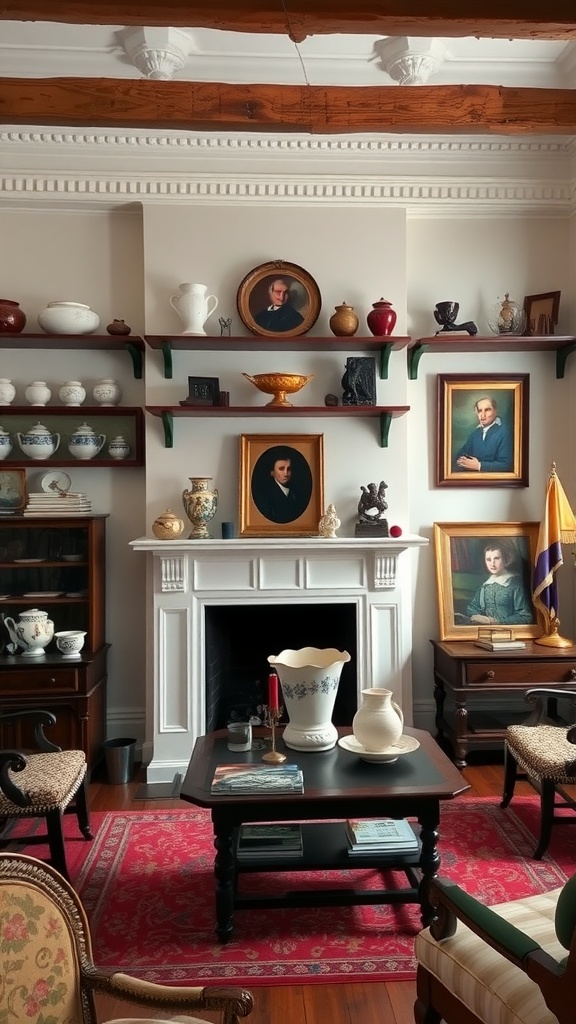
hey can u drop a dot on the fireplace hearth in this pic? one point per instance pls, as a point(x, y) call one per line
point(217, 609)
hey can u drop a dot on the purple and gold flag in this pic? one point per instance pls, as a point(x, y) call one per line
point(558, 526)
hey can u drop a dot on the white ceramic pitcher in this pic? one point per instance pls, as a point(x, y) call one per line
point(193, 306)
point(379, 721)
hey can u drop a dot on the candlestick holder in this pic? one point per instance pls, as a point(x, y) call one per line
point(272, 718)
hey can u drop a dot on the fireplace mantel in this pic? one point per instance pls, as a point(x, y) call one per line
point(187, 575)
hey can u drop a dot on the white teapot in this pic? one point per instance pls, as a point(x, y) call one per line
point(33, 632)
point(38, 443)
point(5, 443)
point(85, 444)
point(193, 307)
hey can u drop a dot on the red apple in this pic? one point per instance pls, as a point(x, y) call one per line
point(395, 531)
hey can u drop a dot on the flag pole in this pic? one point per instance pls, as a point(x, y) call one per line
point(558, 526)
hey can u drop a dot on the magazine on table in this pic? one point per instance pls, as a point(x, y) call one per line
point(394, 835)
point(256, 778)
point(263, 841)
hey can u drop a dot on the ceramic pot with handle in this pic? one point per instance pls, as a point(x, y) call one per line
point(84, 443)
point(38, 443)
point(379, 722)
point(193, 306)
point(33, 631)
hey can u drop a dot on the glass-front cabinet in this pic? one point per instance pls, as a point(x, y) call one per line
point(57, 565)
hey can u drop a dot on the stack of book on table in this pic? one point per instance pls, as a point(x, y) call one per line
point(498, 640)
point(236, 779)
point(268, 841)
point(381, 835)
point(43, 504)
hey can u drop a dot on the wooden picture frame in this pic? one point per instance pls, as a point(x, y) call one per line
point(203, 391)
point(468, 457)
point(541, 313)
point(12, 490)
point(297, 295)
point(265, 508)
point(462, 573)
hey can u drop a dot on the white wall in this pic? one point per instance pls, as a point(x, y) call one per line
point(128, 263)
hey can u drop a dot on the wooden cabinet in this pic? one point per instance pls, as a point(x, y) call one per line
point(472, 688)
point(56, 564)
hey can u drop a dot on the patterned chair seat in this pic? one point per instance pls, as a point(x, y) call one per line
point(50, 780)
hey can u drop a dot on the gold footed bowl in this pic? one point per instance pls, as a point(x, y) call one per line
point(279, 385)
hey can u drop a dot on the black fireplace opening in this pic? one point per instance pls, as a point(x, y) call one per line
point(240, 638)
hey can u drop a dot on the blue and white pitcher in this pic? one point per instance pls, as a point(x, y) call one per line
point(85, 444)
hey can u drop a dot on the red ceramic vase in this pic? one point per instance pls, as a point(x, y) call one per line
point(12, 318)
point(381, 318)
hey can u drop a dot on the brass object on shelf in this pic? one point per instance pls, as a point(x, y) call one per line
point(279, 384)
point(168, 526)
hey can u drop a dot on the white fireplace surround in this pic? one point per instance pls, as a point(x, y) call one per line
point(185, 577)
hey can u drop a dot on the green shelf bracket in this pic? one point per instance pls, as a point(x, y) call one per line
point(168, 424)
point(384, 360)
point(167, 353)
point(414, 356)
point(385, 421)
point(562, 358)
point(136, 354)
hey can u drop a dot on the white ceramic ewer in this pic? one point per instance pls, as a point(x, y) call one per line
point(33, 631)
point(193, 306)
point(309, 679)
point(379, 721)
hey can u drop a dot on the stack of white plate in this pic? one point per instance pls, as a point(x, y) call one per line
point(42, 504)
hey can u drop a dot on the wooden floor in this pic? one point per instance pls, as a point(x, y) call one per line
point(364, 1003)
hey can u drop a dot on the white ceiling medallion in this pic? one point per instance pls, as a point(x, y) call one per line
point(410, 61)
point(158, 53)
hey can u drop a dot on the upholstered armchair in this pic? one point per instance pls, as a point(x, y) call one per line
point(43, 785)
point(502, 965)
point(46, 966)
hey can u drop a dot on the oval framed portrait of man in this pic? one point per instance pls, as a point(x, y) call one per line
point(278, 299)
point(281, 484)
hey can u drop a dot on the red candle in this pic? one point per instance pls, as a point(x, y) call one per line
point(273, 690)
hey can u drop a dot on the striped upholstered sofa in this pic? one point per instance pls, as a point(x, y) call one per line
point(514, 963)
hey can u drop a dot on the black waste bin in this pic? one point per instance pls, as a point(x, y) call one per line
point(119, 756)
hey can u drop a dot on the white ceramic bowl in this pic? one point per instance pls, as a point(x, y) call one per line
point(68, 318)
point(70, 642)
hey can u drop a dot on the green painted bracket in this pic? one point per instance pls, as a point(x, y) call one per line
point(385, 421)
point(136, 354)
point(414, 356)
point(167, 353)
point(168, 423)
point(384, 360)
point(562, 358)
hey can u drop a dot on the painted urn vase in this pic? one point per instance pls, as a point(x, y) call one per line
point(309, 679)
point(200, 503)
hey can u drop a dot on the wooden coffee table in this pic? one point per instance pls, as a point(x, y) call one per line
point(337, 785)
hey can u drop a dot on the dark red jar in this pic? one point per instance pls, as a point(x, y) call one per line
point(12, 318)
point(381, 318)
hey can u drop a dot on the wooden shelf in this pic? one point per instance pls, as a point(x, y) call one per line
point(125, 420)
point(563, 346)
point(132, 343)
point(384, 413)
point(168, 343)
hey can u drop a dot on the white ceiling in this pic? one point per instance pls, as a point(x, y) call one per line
point(46, 50)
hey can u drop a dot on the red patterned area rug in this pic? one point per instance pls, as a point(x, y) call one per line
point(148, 887)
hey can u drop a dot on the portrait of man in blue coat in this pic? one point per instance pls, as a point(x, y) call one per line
point(490, 446)
point(279, 314)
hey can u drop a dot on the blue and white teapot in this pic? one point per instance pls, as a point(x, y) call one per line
point(38, 443)
point(85, 444)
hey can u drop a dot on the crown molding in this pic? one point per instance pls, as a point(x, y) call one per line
point(456, 176)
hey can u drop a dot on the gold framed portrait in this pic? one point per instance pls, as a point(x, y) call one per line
point(281, 484)
point(278, 299)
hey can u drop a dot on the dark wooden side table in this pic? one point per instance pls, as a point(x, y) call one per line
point(337, 785)
point(468, 675)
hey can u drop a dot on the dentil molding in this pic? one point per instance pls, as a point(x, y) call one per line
point(457, 176)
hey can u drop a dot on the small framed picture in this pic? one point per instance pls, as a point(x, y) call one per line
point(277, 299)
point(203, 391)
point(482, 430)
point(484, 578)
point(12, 491)
point(281, 484)
point(541, 313)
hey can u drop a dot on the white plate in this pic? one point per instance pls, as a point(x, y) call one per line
point(72, 558)
point(76, 593)
point(43, 593)
point(56, 482)
point(28, 561)
point(405, 745)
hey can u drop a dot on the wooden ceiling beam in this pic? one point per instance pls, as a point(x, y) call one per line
point(137, 104)
point(520, 19)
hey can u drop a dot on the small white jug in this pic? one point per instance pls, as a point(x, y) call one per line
point(378, 723)
point(193, 307)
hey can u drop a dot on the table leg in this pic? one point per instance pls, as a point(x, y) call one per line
point(429, 861)
point(225, 876)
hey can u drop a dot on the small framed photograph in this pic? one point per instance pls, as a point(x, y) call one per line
point(541, 313)
point(203, 391)
point(484, 579)
point(12, 491)
point(277, 299)
point(281, 484)
point(483, 425)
